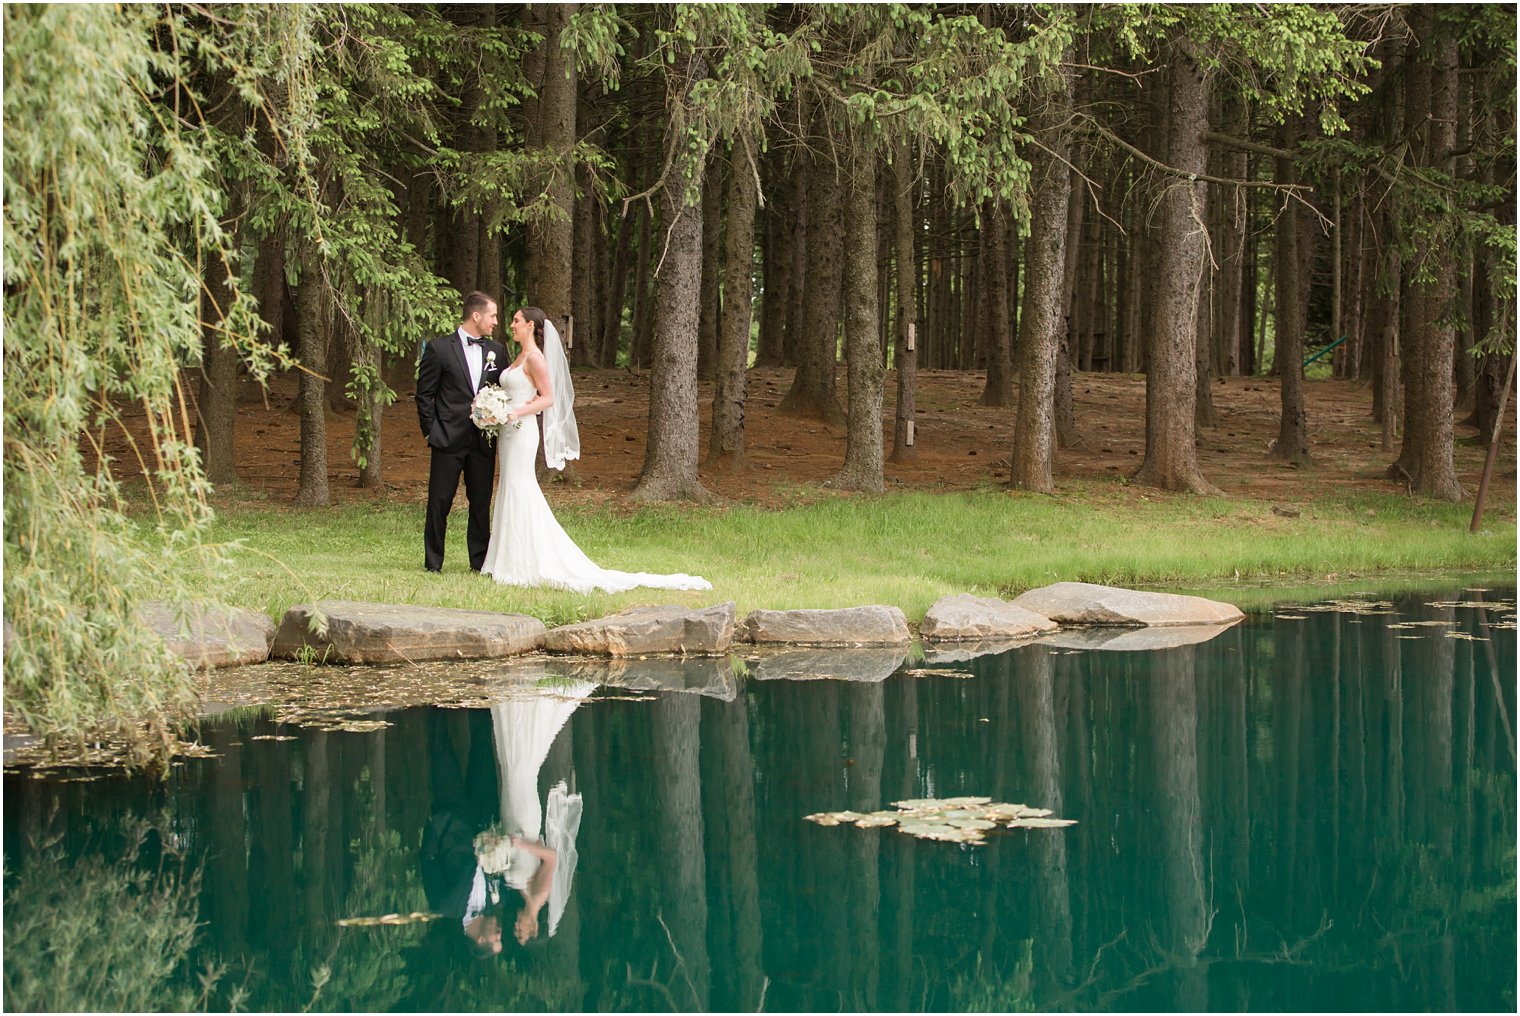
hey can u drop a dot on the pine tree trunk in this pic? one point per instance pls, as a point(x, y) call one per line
point(464, 227)
point(551, 243)
point(862, 468)
point(1204, 414)
point(216, 399)
point(311, 336)
point(812, 393)
point(643, 295)
point(1040, 320)
point(612, 317)
point(796, 233)
point(776, 265)
point(968, 302)
point(342, 340)
point(371, 408)
point(586, 291)
point(725, 449)
point(998, 390)
point(670, 460)
point(269, 286)
point(904, 222)
point(1171, 453)
point(1064, 407)
point(1232, 253)
point(1427, 458)
point(712, 231)
point(1294, 260)
point(488, 278)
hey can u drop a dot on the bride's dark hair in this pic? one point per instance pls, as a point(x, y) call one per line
point(537, 317)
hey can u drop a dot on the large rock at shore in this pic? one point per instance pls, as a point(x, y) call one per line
point(862, 666)
point(649, 631)
point(211, 636)
point(852, 626)
point(965, 617)
point(1084, 603)
point(387, 633)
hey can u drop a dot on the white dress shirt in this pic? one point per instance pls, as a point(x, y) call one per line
point(474, 356)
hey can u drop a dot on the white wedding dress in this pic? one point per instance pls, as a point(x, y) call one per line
point(528, 547)
point(524, 731)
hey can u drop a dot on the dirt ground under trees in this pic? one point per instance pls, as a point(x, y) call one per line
point(960, 444)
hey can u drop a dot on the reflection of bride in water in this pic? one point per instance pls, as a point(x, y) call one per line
point(471, 851)
point(535, 850)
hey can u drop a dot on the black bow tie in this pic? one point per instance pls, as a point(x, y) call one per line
point(475, 342)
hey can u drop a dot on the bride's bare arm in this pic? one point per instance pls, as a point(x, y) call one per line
point(538, 372)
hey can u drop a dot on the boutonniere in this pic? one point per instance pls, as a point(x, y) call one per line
point(491, 360)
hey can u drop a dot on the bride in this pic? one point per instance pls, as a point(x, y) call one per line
point(528, 547)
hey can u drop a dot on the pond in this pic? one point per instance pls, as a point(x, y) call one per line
point(1313, 810)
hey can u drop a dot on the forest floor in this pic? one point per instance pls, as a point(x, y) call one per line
point(960, 444)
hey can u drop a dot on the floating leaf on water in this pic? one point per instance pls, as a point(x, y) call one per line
point(272, 737)
point(1474, 604)
point(950, 819)
point(1290, 617)
point(1464, 635)
point(1003, 812)
point(416, 917)
point(925, 828)
point(955, 836)
point(1431, 624)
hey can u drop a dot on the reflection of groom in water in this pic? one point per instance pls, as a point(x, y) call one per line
point(463, 780)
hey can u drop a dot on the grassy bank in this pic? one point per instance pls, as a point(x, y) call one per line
point(903, 549)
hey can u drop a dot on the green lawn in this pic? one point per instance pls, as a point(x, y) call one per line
point(903, 549)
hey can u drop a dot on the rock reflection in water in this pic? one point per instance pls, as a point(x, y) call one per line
point(1295, 814)
point(869, 663)
point(1135, 640)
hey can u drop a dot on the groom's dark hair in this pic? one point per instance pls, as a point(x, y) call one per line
point(474, 302)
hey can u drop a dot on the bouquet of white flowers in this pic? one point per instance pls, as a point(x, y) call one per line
point(490, 408)
point(493, 851)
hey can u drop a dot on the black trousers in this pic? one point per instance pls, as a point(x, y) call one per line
point(479, 469)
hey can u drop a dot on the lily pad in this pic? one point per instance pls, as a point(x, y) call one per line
point(1044, 823)
point(962, 802)
point(874, 821)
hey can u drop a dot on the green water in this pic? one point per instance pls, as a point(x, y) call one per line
point(1314, 810)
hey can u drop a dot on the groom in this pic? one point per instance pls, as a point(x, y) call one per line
point(453, 368)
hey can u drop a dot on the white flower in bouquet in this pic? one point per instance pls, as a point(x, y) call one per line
point(490, 408)
point(494, 852)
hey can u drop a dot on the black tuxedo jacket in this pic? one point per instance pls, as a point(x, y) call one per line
point(444, 393)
